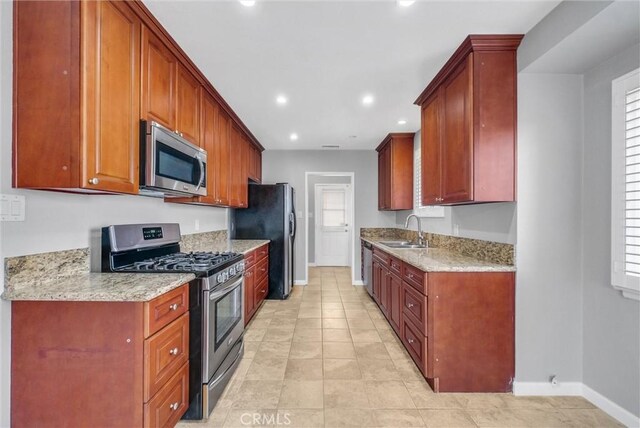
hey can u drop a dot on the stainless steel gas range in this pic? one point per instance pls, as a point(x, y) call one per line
point(215, 301)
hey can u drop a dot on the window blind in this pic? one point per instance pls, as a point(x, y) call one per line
point(632, 183)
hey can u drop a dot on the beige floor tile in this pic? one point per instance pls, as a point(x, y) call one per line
point(396, 351)
point(286, 314)
point(304, 369)
point(336, 335)
point(300, 350)
point(360, 324)
point(267, 369)
point(446, 419)
point(425, 398)
point(378, 369)
point(357, 314)
point(526, 402)
point(382, 325)
point(388, 394)
point(544, 417)
point(310, 313)
point(338, 418)
point(273, 350)
point(481, 401)
point(333, 313)
point(254, 335)
point(350, 297)
point(338, 350)
point(375, 314)
point(350, 305)
point(345, 394)
point(307, 335)
point(259, 323)
point(365, 335)
point(567, 402)
point(591, 418)
point(398, 418)
point(250, 349)
point(375, 351)
point(388, 336)
point(335, 299)
point(278, 335)
point(242, 418)
point(309, 323)
point(302, 394)
point(497, 418)
point(332, 306)
point(258, 394)
point(408, 370)
point(335, 323)
point(300, 418)
point(341, 369)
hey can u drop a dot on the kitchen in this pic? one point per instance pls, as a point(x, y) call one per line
point(565, 312)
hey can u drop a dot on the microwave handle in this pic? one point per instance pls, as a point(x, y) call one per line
point(201, 173)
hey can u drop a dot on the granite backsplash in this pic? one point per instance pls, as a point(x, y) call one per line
point(494, 252)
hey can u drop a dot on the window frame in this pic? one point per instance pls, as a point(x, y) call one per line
point(628, 285)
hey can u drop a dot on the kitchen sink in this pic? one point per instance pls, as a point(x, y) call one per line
point(401, 244)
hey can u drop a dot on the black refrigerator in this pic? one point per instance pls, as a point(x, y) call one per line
point(270, 215)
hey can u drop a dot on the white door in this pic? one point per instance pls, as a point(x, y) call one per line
point(332, 214)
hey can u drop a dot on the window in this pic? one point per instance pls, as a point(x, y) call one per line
point(333, 208)
point(625, 185)
point(419, 209)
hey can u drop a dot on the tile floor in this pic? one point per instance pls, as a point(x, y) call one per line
point(326, 357)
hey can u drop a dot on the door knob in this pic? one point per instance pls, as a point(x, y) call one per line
point(94, 181)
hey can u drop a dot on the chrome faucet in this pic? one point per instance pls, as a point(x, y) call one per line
point(421, 240)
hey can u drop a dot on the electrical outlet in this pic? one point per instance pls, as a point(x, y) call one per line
point(12, 207)
point(456, 230)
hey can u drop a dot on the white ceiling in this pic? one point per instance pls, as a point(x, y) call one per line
point(326, 55)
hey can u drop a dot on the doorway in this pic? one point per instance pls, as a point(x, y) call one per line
point(330, 214)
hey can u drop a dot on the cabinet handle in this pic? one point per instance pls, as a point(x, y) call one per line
point(173, 307)
point(411, 340)
point(174, 406)
point(94, 181)
point(174, 351)
point(410, 305)
point(410, 276)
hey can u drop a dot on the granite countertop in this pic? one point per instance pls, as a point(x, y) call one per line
point(100, 287)
point(439, 259)
point(246, 245)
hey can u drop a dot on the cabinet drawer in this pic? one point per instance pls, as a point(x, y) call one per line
point(395, 265)
point(416, 344)
point(415, 277)
point(249, 259)
point(164, 309)
point(164, 353)
point(170, 403)
point(414, 306)
point(262, 269)
point(262, 252)
point(262, 289)
point(381, 256)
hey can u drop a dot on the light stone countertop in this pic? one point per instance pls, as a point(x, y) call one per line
point(439, 259)
point(100, 287)
point(246, 245)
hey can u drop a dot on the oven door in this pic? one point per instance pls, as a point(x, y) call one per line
point(224, 323)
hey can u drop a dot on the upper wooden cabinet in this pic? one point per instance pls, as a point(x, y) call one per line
point(76, 96)
point(395, 172)
point(469, 124)
point(170, 93)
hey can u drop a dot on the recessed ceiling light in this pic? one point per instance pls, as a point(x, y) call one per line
point(247, 3)
point(293, 136)
point(281, 100)
point(406, 3)
point(367, 100)
point(402, 122)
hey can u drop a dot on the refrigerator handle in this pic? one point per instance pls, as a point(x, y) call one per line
point(292, 224)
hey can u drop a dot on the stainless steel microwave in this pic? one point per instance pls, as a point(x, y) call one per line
point(169, 164)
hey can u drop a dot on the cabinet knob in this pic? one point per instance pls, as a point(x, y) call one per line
point(410, 305)
point(174, 406)
point(410, 340)
point(173, 307)
point(174, 351)
point(410, 276)
point(94, 181)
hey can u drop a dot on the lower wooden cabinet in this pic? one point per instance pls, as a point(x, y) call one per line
point(256, 280)
point(458, 327)
point(92, 364)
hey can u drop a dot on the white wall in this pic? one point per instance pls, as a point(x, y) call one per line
point(290, 166)
point(611, 332)
point(57, 221)
point(548, 254)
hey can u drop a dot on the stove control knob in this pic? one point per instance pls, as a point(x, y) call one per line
point(232, 271)
point(219, 278)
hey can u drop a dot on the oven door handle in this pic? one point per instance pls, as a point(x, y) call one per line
point(223, 291)
point(201, 173)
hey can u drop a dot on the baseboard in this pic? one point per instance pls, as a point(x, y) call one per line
point(299, 282)
point(578, 389)
point(545, 388)
point(358, 282)
point(622, 415)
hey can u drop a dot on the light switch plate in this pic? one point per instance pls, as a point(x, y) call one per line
point(12, 207)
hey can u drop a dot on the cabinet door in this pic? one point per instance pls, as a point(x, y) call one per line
point(384, 291)
point(245, 148)
point(384, 178)
point(235, 166)
point(430, 151)
point(188, 106)
point(208, 142)
point(159, 69)
point(376, 278)
point(111, 54)
point(221, 158)
point(380, 181)
point(395, 305)
point(457, 151)
point(249, 291)
point(258, 166)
